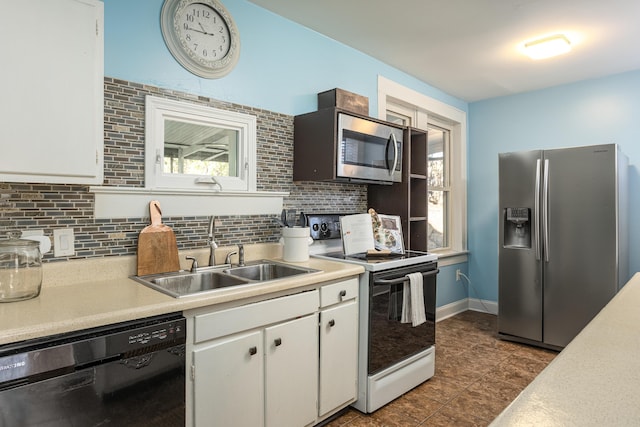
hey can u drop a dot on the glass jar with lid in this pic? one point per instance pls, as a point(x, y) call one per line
point(20, 269)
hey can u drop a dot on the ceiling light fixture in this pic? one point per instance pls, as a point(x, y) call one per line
point(547, 47)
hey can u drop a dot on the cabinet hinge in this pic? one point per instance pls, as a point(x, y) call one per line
point(97, 28)
point(193, 372)
point(97, 158)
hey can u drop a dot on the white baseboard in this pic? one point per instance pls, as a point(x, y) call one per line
point(484, 306)
point(459, 306)
point(451, 309)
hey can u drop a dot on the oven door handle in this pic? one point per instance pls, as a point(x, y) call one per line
point(402, 279)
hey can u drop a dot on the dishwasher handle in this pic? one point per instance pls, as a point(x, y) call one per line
point(403, 279)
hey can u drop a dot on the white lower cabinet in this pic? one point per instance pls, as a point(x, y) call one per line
point(338, 346)
point(291, 373)
point(228, 383)
point(284, 362)
point(338, 356)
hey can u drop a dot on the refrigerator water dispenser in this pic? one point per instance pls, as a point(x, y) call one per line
point(517, 228)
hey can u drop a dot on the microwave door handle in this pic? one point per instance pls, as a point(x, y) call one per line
point(392, 138)
point(386, 152)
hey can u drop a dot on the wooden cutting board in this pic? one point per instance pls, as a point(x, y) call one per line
point(157, 247)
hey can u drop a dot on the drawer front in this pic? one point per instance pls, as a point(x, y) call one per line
point(224, 322)
point(339, 292)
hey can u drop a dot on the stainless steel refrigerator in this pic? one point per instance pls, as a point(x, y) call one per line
point(563, 243)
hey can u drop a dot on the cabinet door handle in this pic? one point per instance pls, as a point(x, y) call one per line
point(253, 350)
point(332, 323)
point(277, 341)
point(343, 294)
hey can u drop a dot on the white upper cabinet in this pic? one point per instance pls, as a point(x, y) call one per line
point(51, 80)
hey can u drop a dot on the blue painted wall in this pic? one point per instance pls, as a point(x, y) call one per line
point(449, 290)
point(282, 67)
point(605, 110)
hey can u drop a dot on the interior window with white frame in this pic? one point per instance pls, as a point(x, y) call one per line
point(196, 147)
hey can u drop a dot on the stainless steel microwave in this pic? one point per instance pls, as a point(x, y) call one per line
point(368, 150)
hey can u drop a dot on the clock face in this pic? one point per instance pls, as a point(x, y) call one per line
point(201, 35)
point(203, 32)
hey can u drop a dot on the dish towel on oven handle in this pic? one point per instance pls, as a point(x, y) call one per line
point(413, 300)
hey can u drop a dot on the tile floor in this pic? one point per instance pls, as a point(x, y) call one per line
point(477, 376)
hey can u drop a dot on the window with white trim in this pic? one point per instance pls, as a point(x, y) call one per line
point(439, 187)
point(446, 128)
point(197, 147)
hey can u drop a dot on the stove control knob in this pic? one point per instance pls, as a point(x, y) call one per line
point(323, 227)
point(315, 227)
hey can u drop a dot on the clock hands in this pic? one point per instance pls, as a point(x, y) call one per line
point(199, 31)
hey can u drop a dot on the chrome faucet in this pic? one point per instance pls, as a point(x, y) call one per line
point(194, 265)
point(210, 242)
point(227, 260)
point(240, 253)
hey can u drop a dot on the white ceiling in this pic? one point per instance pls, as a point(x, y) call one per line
point(469, 48)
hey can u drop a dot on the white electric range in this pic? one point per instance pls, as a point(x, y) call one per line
point(393, 356)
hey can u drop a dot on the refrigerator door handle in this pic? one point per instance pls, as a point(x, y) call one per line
point(545, 212)
point(536, 213)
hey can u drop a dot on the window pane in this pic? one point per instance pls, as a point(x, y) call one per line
point(437, 220)
point(437, 161)
point(195, 149)
point(438, 181)
point(398, 118)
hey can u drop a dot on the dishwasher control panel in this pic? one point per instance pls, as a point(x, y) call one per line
point(163, 332)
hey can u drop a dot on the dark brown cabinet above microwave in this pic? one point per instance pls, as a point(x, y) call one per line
point(332, 144)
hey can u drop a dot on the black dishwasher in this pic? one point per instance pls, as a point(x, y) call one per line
point(125, 374)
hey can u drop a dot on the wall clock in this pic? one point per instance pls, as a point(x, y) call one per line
point(201, 36)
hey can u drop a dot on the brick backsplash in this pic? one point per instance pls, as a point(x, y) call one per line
point(49, 206)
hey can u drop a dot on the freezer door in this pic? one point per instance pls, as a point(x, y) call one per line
point(580, 276)
point(520, 271)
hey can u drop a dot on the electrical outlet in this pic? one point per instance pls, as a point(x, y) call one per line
point(63, 242)
point(458, 275)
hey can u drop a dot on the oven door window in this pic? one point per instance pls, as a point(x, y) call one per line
point(391, 341)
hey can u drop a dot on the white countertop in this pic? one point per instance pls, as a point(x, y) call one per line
point(88, 293)
point(595, 380)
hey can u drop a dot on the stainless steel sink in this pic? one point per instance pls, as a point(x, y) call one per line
point(267, 270)
point(183, 283)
